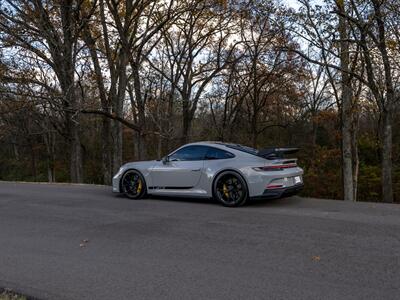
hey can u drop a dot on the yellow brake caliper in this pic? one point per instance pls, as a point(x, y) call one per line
point(139, 188)
point(226, 191)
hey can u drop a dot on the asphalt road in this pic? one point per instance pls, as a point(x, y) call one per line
point(190, 249)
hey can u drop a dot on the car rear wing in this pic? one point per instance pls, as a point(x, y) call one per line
point(276, 153)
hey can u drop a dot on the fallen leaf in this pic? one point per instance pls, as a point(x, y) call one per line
point(316, 258)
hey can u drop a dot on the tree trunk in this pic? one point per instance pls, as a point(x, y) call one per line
point(314, 133)
point(140, 104)
point(186, 122)
point(159, 147)
point(347, 156)
point(169, 120)
point(388, 105)
point(49, 140)
point(142, 151)
point(72, 126)
point(254, 138)
point(254, 133)
point(33, 161)
point(185, 130)
point(387, 185)
point(356, 159)
point(106, 163)
point(72, 121)
point(75, 152)
point(15, 147)
point(106, 157)
point(50, 174)
point(346, 116)
point(141, 146)
point(118, 101)
point(116, 146)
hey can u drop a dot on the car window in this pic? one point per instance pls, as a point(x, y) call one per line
point(242, 148)
point(215, 153)
point(189, 153)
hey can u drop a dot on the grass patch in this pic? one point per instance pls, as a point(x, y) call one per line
point(9, 295)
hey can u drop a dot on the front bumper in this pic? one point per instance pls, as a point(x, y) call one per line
point(115, 182)
point(280, 192)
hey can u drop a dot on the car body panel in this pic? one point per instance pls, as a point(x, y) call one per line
point(143, 167)
point(195, 178)
point(185, 173)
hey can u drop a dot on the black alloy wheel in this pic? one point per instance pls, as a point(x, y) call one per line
point(230, 189)
point(133, 185)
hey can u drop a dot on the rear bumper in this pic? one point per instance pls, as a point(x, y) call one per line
point(280, 193)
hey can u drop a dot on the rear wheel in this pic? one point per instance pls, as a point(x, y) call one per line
point(133, 184)
point(230, 189)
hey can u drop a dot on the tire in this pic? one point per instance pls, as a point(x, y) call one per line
point(230, 189)
point(133, 185)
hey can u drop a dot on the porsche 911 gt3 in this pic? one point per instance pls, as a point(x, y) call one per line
point(230, 173)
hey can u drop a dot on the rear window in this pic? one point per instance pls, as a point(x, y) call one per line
point(214, 153)
point(242, 148)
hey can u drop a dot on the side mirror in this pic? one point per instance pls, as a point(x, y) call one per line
point(165, 159)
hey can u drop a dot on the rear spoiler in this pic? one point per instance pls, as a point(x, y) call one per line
point(274, 153)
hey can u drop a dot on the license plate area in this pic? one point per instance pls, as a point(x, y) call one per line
point(297, 179)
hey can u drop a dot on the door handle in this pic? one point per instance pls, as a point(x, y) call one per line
point(195, 170)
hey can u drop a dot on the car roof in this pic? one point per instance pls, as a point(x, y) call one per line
point(203, 143)
point(206, 143)
point(226, 146)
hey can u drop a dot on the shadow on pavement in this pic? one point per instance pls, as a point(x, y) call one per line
point(251, 203)
point(183, 199)
point(294, 200)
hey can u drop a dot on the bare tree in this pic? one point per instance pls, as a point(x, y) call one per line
point(50, 31)
point(199, 47)
point(317, 96)
point(372, 33)
point(319, 30)
point(346, 104)
point(267, 67)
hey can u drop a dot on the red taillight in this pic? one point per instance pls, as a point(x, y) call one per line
point(276, 167)
point(274, 186)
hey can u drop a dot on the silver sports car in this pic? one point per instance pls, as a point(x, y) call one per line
point(229, 173)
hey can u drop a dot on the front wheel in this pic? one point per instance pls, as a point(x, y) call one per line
point(230, 189)
point(133, 184)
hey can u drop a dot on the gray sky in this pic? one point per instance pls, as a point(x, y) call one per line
point(291, 3)
point(295, 4)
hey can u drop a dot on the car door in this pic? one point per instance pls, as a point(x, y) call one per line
point(182, 170)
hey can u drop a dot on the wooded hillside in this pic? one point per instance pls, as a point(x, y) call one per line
point(86, 85)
